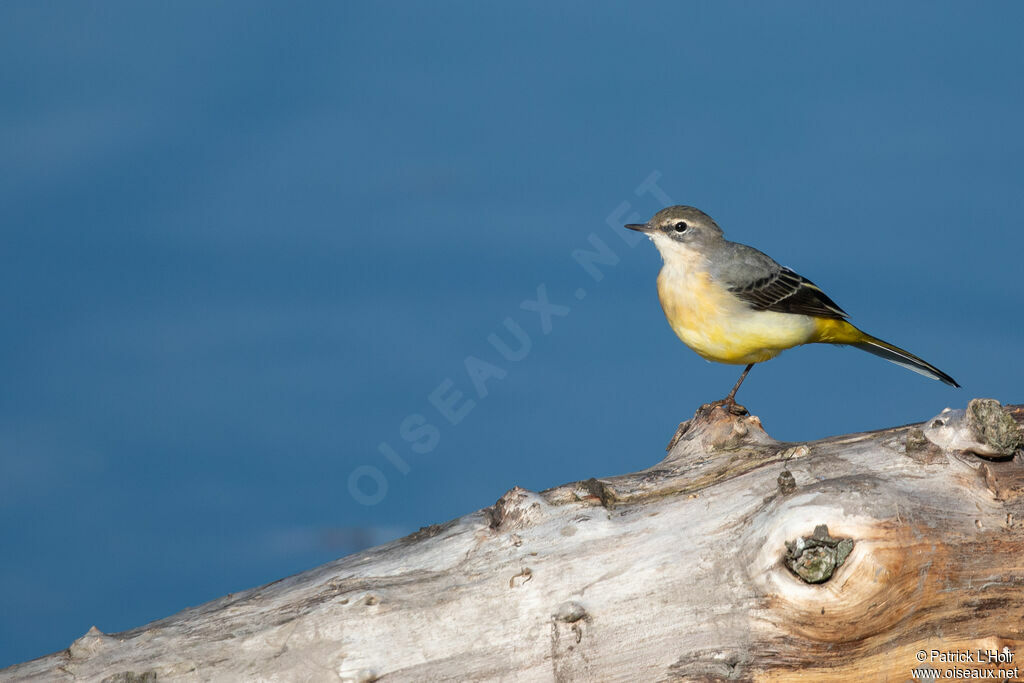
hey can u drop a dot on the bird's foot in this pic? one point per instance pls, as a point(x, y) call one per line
point(729, 405)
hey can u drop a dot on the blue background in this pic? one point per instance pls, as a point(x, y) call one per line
point(243, 242)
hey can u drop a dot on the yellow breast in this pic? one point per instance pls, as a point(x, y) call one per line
point(716, 324)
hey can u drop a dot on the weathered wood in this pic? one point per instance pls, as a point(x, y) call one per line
point(678, 572)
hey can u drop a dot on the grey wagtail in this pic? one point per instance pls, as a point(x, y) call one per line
point(734, 304)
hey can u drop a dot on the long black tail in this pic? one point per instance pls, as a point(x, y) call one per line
point(895, 354)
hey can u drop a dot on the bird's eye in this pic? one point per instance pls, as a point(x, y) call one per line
point(680, 227)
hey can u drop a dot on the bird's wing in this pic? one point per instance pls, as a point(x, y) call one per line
point(761, 282)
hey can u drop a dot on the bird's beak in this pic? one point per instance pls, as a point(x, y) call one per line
point(639, 227)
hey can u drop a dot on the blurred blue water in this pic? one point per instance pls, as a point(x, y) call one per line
point(243, 242)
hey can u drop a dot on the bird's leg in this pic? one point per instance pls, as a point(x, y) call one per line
point(729, 402)
point(731, 398)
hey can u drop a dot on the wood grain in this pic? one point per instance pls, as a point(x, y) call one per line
point(672, 573)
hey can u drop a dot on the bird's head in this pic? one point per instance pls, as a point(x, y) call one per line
point(680, 229)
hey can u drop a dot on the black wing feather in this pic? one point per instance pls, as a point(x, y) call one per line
point(788, 292)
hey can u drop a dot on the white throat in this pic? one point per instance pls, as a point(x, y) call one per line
point(677, 255)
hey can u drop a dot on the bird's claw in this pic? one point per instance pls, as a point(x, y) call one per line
point(727, 404)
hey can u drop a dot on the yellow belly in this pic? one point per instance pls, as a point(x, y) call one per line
point(722, 328)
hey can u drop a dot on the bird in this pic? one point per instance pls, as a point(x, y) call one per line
point(734, 304)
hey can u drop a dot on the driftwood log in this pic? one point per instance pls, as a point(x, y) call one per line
point(865, 557)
